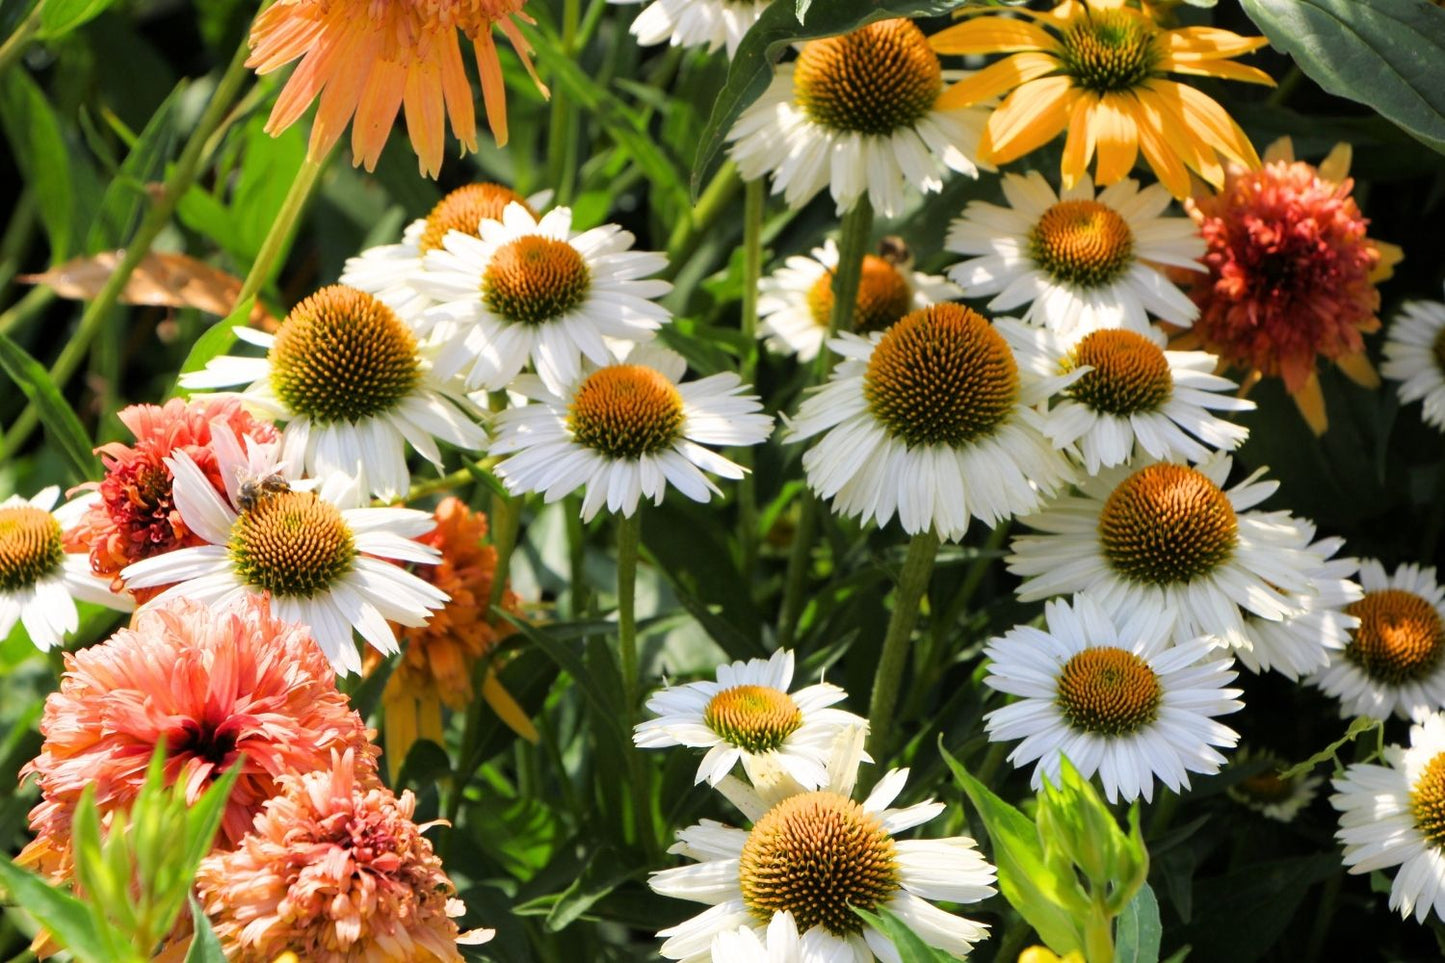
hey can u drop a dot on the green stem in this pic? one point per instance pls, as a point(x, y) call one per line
point(16, 43)
point(181, 177)
point(800, 559)
point(505, 522)
point(754, 203)
point(560, 174)
point(1282, 93)
point(27, 307)
point(912, 585)
point(716, 200)
point(283, 229)
point(1099, 936)
point(629, 535)
point(576, 560)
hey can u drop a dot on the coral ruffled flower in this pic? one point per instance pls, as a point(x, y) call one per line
point(1291, 274)
point(136, 515)
point(365, 60)
point(212, 684)
point(437, 667)
point(1097, 70)
point(336, 872)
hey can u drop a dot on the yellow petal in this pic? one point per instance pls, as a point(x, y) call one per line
point(507, 708)
point(1079, 145)
point(1281, 149)
point(1166, 164)
point(1358, 369)
point(997, 79)
point(1210, 124)
point(1208, 42)
point(1336, 166)
point(1310, 401)
point(1225, 70)
point(1390, 255)
point(399, 727)
point(1032, 116)
point(991, 35)
point(1117, 140)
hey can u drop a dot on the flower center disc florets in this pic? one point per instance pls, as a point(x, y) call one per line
point(1109, 51)
point(1108, 690)
point(626, 411)
point(1427, 801)
point(30, 546)
point(1130, 373)
point(464, 209)
point(1438, 350)
point(757, 718)
point(876, 80)
point(941, 376)
point(535, 279)
point(1266, 787)
point(818, 855)
point(1400, 638)
point(884, 296)
point(1167, 523)
point(342, 355)
point(1084, 243)
point(292, 544)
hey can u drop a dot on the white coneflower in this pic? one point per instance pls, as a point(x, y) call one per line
point(1301, 644)
point(749, 715)
point(1169, 537)
point(931, 420)
point(696, 23)
point(528, 291)
point(355, 388)
point(1081, 262)
point(39, 580)
point(1135, 397)
point(1117, 698)
point(389, 271)
point(1267, 792)
point(328, 567)
point(858, 114)
point(1394, 815)
point(1394, 662)
point(1415, 356)
point(625, 431)
point(795, 303)
point(816, 856)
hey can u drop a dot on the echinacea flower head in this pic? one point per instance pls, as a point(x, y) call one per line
point(1114, 696)
point(1171, 537)
point(336, 871)
point(439, 658)
point(626, 431)
point(749, 715)
point(1394, 662)
point(323, 565)
point(1394, 816)
point(212, 684)
point(1301, 644)
point(528, 291)
point(857, 114)
point(39, 578)
point(135, 516)
point(1098, 70)
point(1415, 356)
point(1291, 274)
point(390, 270)
point(1132, 396)
point(1080, 261)
point(931, 420)
point(815, 856)
point(1269, 792)
point(365, 61)
point(696, 23)
point(355, 387)
point(780, 942)
point(795, 304)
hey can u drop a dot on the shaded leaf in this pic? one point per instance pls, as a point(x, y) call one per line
point(59, 17)
point(39, 150)
point(61, 423)
point(911, 948)
point(205, 947)
point(1138, 932)
point(1240, 916)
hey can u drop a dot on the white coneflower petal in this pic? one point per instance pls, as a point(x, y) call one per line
point(1080, 262)
point(1267, 792)
point(858, 114)
point(1415, 356)
point(696, 23)
point(1299, 645)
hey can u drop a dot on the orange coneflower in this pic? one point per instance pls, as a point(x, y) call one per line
point(369, 59)
point(1097, 70)
point(1291, 274)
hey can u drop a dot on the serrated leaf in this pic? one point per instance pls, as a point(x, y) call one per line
point(61, 425)
point(1385, 54)
point(1138, 931)
point(779, 27)
point(910, 946)
point(1025, 880)
point(59, 17)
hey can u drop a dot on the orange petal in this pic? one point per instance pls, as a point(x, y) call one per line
point(997, 79)
point(507, 708)
point(1390, 255)
point(1358, 369)
point(457, 91)
point(1032, 116)
point(991, 35)
point(494, 91)
point(1310, 401)
point(425, 120)
point(376, 111)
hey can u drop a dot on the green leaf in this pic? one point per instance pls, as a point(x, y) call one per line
point(910, 946)
point(127, 195)
point(570, 661)
point(205, 948)
point(218, 338)
point(1138, 932)
point(1029, 885)
point(61, 424)
point(39, 149)
point(1241, 916)
point(59, 17)
point(67, 918)
point(1385, 54)
point(777, 29)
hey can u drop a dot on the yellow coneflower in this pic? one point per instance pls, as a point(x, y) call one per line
point(1097, 70)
